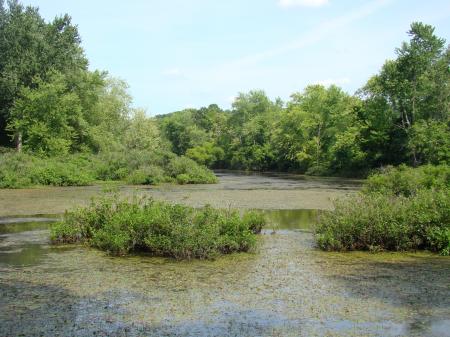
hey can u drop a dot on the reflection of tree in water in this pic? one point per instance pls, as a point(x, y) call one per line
point(292, 219)
point(27, 255)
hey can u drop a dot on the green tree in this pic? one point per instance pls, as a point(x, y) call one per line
point(30, 49)
point(413, 87)
point(142, 133)
point(46, 116)
point(430, 142)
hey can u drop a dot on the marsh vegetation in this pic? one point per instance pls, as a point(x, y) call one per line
point(158, 228)
point(400, 209)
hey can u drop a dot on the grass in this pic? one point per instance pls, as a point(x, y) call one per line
point(121, 227)
point(401, 209)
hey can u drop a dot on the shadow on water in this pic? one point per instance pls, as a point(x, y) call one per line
point(29, 309)
point(419, 284)
point(285, 289)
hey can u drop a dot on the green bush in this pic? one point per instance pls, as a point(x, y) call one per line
point(18, 170)
point(392, 213)
point(22, 170)
point(149, 175)
point(187, 171)
point(406, 181)
point(161, 229)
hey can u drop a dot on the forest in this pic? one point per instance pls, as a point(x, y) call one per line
point(53, 107)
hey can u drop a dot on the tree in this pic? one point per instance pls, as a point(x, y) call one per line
point(413, 87)
point(430, 142)
point(46, 116)
point(319, 132)
point(30, 49)
point(142, 133)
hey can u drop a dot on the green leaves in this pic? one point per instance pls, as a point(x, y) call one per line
point(121, 227)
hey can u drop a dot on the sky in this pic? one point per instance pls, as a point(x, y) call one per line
point(178, 54)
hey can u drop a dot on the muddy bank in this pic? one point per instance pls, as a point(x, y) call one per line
point(236, 190)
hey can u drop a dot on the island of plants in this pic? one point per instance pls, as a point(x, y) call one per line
point(400, 209)
point(121, 226)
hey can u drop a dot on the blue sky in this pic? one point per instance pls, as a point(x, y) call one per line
point(176, 54)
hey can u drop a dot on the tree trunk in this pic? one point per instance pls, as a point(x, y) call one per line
point(18, 139)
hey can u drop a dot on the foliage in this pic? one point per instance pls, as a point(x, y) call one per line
point(22, 170)
point(19, 170)
point(30, 50)
point(400, 116)
point(121, 227)
point(429, 142)
point(187, 171)
point(383, 222)
point(401, 209)
point(206, 154)
point(53, 105)
point(407, 181)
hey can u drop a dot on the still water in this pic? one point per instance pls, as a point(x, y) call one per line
point(285, 288)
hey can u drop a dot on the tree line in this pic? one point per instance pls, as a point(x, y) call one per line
point(400, 116)
point(52, 104)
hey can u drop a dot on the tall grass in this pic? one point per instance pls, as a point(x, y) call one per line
point(161, 229)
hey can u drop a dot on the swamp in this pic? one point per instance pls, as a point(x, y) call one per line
point(286, 288)
point(232, 168)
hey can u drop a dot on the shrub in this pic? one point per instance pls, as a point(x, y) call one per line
point(392, 213)
point(162, 229)
point(406, 181)
point(149, 175)
point(19, 170)
point(187, 171)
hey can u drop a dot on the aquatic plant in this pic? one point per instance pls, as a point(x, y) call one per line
point(161, 229)
point(403, 209)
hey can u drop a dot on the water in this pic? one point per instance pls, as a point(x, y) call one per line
point(292, 219)
point(285, 288)
point(236, 190)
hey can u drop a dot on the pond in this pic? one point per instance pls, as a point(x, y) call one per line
point(285, 288)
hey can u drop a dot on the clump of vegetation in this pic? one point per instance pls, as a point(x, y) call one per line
point(401, 209)
point(187, 171)
point(22, 170)
point(137, 167)
point(407, 181)
point(161, 229)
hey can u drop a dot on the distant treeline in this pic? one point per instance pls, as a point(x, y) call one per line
point(400, 116)
point(51, 104)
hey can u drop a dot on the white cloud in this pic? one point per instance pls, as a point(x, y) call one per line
point(336, 81)
point(302, 3)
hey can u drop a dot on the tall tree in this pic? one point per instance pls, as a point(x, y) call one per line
point(30, 49)
point(413, 87)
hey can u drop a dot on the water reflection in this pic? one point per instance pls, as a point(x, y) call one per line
point(23, 244)
point(303, 219)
